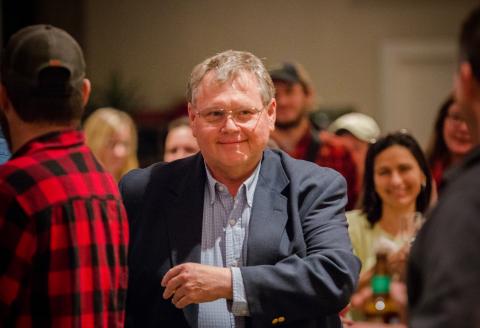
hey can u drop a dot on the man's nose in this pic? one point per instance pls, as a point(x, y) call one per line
point(230, 123)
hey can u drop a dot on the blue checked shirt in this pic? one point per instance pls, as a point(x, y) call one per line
point(224, 244)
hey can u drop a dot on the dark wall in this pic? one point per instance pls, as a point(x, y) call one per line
point(66, 14)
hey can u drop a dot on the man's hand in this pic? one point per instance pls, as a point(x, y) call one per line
point(191, 283)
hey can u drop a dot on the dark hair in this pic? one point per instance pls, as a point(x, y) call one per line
point(470, 41)
point(53, 100)
point(437, 149)
point(372, 204)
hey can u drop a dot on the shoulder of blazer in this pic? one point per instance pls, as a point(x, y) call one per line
point(279, 166)
point(137, 184)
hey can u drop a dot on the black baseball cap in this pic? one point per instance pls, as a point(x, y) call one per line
point(39, 48)
point(292, 73)
point(287, 72)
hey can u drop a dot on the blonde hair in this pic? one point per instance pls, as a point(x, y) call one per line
point(101, 125)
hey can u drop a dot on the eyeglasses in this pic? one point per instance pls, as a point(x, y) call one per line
point(456, 118)
point(217, 116)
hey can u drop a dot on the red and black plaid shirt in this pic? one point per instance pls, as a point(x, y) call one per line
point(332, 154)
point(63, 237)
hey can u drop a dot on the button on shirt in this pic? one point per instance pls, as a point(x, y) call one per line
point(224, 244)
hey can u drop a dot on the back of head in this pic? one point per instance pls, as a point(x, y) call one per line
point(470, 42)
point(227, 66)
point(42, 70)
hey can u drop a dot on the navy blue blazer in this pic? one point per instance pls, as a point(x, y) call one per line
point(300, 264)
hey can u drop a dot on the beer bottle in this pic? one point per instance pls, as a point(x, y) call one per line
point(380, 307)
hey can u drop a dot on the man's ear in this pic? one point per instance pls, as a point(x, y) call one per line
point(272, 113)
point(191, 117)
point(86, 89)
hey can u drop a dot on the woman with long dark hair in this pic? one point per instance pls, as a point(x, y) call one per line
point(397, 185)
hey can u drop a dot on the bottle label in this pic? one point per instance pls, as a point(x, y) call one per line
point(380, 284)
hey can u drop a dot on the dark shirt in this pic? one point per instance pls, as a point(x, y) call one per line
point(444, 266)
point(63, 237)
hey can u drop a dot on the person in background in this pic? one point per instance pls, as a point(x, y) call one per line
point(357, 131)
point(237, 235)
point(444, 266)
point(180, 141)
point(112, 136)
point(295, 134)
point(4, 152)
point(63, 227)
point(397, 185)
point(451, 140)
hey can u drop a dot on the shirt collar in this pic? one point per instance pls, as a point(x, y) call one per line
point(248, 185)
point(57, 139)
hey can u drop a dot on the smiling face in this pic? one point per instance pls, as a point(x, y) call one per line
point(397, 177)
point(455, 132)
point(230, 149)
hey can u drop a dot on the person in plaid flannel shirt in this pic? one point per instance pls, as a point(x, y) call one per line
point(63, 228)
point(296, 135)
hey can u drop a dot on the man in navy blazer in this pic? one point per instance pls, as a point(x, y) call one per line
point(237, 235)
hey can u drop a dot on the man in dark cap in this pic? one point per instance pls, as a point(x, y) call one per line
point(296, 135)
point(63, 229)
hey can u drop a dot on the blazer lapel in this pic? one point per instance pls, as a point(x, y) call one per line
point(184, 222)
point(269, 216)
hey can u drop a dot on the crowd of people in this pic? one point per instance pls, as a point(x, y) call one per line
point(254, 217)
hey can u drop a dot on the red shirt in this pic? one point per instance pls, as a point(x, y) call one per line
point(63, 237)
point(331, 153)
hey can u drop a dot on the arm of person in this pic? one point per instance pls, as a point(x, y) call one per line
point(191, 283)
point(17, 246)
point(320, 282)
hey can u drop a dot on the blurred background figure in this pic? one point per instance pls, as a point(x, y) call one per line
point(4, 152)
point(397, 187)
point(179, 142)
point(112, 136)
point(295, 133)
point(450, 141)
point(357, 131)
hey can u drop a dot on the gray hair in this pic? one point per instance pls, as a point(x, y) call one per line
point(227, 66)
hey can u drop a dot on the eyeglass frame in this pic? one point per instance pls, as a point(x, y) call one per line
point(230, 113)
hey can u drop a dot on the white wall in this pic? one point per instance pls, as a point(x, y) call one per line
point(157, 42)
